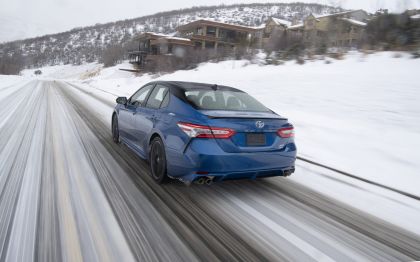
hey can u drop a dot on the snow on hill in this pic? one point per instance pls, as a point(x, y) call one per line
point(359, 115)
point(86, 44)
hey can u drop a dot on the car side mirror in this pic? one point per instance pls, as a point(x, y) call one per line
point(122, 100)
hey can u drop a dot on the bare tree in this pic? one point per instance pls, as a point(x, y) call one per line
point(11, 65)
point(112, 55)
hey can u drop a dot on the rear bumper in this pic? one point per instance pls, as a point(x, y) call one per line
point(252, 175)
point(206, 158)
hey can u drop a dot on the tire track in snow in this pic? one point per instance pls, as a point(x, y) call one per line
point(83, 214)
point(13, 163)
point(48, 237)
point(23, 234)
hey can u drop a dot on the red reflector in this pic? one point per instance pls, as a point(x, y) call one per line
point(286, 132)
point(202, 173)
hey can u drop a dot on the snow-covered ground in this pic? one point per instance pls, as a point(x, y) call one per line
point(6, 81)
point(360, 114)
point(56, 152)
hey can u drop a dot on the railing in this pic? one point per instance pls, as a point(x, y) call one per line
point(141, 51)
point(214, 38)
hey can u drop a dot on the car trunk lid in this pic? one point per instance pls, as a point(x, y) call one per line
point(254, 131)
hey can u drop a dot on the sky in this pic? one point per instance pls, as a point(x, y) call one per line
point(28, 18)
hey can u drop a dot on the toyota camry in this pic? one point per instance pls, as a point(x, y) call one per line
point(203, 133)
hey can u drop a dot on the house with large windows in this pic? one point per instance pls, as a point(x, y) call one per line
point(153, 45)
point(340, 29)
point(344, 29)
point(208, 34)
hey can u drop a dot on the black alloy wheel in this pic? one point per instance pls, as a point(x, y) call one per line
point(158, 161)
point(115, 130)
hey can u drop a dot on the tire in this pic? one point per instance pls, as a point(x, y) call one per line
point(115, 130)
point(157, 160)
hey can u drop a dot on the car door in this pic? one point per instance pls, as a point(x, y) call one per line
point(127, 113)
point(146, 116)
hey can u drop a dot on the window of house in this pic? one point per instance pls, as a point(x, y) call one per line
point(211, 31)
point(155, 50)
point(210, 44)
point(222, 33)
point(197, 45)
point(188, 33)
point(310, 23)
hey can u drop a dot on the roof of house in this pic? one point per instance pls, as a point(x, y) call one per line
point(178, 38)
point(338, 14)
point(172, 40)
point(219, 24)
point(415, 17)
point(152, 35)
point(155, 36)
point(295, 26)
point(354, 22)
point(261, 26)
point(279, 21)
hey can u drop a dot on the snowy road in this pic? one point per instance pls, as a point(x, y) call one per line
point(67, 193)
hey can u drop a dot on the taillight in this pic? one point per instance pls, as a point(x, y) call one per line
point(199, 131)
point(286, 132)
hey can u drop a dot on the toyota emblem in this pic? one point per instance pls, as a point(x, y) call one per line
point(259, 124)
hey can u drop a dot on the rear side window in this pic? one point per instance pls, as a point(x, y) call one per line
point(165, 101)
point(226, 100)
point(157, 97)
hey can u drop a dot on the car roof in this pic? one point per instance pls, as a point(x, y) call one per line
point(186, 86)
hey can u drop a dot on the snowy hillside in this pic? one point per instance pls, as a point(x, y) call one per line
point(86, 44)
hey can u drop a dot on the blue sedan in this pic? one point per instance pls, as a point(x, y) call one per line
point(203, 133)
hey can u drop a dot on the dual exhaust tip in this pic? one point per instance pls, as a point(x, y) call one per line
point(204, 180)
point(288, 172)
point(208, 180)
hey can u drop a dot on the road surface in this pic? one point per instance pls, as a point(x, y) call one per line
point(68, 193)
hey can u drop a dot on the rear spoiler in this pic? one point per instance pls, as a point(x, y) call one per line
point(245, 117)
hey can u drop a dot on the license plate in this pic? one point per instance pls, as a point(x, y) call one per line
point(255, 139)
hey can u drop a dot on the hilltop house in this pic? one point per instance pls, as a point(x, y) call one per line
point(208, 34)
point(340, 29)
point(200, 34)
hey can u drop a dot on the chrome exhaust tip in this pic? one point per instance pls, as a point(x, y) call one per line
point(288, 172)
point(209, 181)
point(200, 180)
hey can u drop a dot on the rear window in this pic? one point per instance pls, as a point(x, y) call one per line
point(224, 100)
